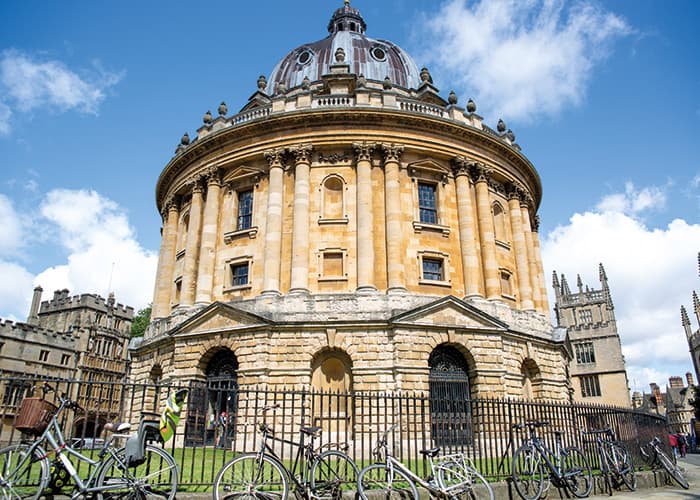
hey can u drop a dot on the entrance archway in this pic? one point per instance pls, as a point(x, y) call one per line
point(450, 398)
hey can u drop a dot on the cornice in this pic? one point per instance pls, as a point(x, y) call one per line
point(383, 120)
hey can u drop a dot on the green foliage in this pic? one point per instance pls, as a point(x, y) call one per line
point(696, 401)
point(140, 322)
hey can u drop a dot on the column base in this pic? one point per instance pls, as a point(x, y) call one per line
point(396, 290)
point(299, 291)
point(366, 289)
point(270, 293)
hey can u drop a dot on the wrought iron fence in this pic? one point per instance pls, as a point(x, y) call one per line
point(220, 420)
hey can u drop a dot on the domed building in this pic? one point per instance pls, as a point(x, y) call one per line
point(352, 229)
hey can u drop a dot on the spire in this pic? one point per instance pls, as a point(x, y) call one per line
point(555, 285)
point(685, 322)
point(579, 283)
point(696, 305)
point(606, 289)
point(565, 290)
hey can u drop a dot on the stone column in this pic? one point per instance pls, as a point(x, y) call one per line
point(467, 236)
point(192, 244)
point(300, 226)
point(210, 230)
point(532, 259)
point(396, 279)
point(365, 218)
point(525, 281)
point(166, 261)
point(489, 261)
point(540, 266)
point(273, 230)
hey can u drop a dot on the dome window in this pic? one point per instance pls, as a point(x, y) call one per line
point(305, 56)
point(378, 53)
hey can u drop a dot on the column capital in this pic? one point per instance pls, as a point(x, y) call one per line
point(363, 150)
point(392, 152)
point(515, 190)
point(171, 205)
point(302, 153)
point(480, 172)
point(213, 176)
point(526, 201)
point(536, 224)
point(275, 157)
point(461, 165)
point(195, 184)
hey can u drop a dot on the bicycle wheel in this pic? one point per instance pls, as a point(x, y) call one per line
point(461, 482)
point(576, 472)
point(247, 477)
point(331, 473)
point(22, 475)
point(672, 470)
point(528, 473)
point(387, 482)
point(623, 466)
point(156, 476)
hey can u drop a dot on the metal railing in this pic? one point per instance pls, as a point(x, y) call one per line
point(219, 420)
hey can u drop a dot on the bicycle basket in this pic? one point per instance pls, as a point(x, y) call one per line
point(34, 415)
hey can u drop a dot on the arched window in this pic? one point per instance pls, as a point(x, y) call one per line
point(450, 408)
point(333, 203)
point(531, 379)
point(156, 374)
point(499, 223)
point(331, 379)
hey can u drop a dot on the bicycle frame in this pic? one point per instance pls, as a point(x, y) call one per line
point(545, 453)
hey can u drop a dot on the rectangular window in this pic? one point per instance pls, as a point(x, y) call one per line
point(432, 270)
point(585, 354)
point(245, 209)
point(43, 355)
point(585, 316)
point(239, 274)
point(590, 387)
point(427, 203)
point(178, 290)
point(65, 359)
point(333, 264)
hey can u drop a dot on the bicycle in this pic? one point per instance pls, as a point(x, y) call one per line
point(136, 471)
point(653, 455)
point(452, 476)
point(534, 463)
point(615, 462)
point(263, 474)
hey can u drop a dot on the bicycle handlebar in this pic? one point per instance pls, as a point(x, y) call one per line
point(531, 424)
point(67, 403)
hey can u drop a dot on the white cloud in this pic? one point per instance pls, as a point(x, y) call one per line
point(10, 221)
point(633, 201)
point(102, 253)
point(28, 84)
point(519, 58)
point(15, 291)
point(651, 273)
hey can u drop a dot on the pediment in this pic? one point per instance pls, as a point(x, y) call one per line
point(427, 166)
point(219, 317)
point(242, 172)
point(450, 312)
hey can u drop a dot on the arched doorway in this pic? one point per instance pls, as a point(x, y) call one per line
point(212, 403)
point(450, 398)
point(531, 379)
point(331, 380)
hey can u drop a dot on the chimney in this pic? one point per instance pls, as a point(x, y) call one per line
point(657, 394)
point(689, 378)
point(33, 317)
point(675, 382)
point(636, 399)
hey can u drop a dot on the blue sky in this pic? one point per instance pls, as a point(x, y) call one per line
point(602, 96)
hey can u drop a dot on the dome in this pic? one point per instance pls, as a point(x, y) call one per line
point(375, 59)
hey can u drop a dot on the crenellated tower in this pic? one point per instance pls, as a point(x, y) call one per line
point(598, 366)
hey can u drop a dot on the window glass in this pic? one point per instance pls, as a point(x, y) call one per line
point(590, 387)
point(432, 269)
point(585, 354)
point(245, 209)
point(239, 274)
point(427, 203)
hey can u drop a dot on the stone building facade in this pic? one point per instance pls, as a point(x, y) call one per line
point(352, 229)
point(597, 367)
point(693, 337)
point(82, 337)
point(674, 404)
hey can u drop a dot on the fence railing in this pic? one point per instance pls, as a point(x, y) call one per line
point(219, 420)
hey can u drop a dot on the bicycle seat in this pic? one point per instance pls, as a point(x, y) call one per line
point(311, 431)
point(117, 426)
point(558, 433)
point(431, 452)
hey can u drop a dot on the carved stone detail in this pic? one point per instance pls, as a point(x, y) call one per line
point(480, 172)
point(363, 151)
point(213, 176)
point(392, 152)
point(302, 153)
point(333, 158)
point(275, 157)
point(461, 165)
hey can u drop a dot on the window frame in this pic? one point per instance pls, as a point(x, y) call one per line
point(232, 264)
point(429, 174)
point(443, 259)
point(590, 386)
point(234, 211)
point(322, 216)
point(322, 276)
point(585, 353)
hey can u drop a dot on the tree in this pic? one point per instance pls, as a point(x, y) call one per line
point(140, 322)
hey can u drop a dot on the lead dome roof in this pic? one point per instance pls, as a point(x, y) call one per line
point(375, 59)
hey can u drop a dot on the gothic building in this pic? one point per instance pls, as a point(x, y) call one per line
point(350, 228)
point(693, 337)
point(598, 366)
point(82, 337)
